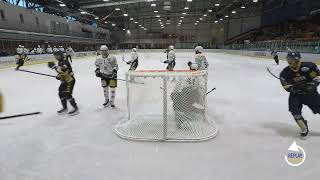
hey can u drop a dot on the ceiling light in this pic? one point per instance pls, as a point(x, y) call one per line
point(96, 18)
point(226, 16)
point(62, 5)
point(243, 7)
point(210, 10)
point(195, 23)
point(105, 0)
point(128, 31)
point(255, 1)
point(106, 22)
point(233, 12)
point(159, 20)
point(153, 5)
point(131, 19)
point(180, 20)
point(158, 16)
point(136, 22)
point(217, 4)
point(216, 21)
point(205, 15)
point(82, 12)
point(184, 13)
point(189, 0)
point(201, 19)
point(117, 9)
point(140, 25)
point(221, 19)
point(125, 14)
point(113, 25)
point(181, 17)
point(167, 23)
point(155, 11)
point(186, 8)
point(124, 29)
point(145, 29)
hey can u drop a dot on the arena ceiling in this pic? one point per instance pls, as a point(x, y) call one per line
point(149, 14)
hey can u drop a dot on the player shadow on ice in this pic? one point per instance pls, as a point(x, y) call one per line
point(286, 130)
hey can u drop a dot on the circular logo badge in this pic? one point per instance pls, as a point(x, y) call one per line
point(295, 155)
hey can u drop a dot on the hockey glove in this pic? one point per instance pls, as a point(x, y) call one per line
point(51, 65)
point(189, 63)
point(129, 62)
point(58, 77)
point(98, 73)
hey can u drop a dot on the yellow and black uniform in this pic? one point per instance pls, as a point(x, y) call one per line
point(20, 60)
point(302, 85)
point(65, 75)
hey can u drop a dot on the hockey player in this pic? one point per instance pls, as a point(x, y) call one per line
point(69, 53)
point(39, 50)
point(55, 49)
point(65, 75)
point(301, 79)
point(171, 58)
point(106, 69)
point(201, 62)
point(61, 49)
point(134, 60)
point(21, 59)
point(19, 50)
point(275, 56)
point(49, 49)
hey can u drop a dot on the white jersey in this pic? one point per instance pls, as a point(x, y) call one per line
point(19, 50)
point(55, 49)
point(107, 65)
point(69, 51)
point(202, 62)
point(39, 50)
point(49, 50)
point(61, 49)
point(171, 56)
point(134, 56)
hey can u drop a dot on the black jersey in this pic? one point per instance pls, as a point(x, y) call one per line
point(305, 74)
point(65, 72)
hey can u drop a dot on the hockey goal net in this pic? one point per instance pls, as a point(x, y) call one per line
point(167, 106)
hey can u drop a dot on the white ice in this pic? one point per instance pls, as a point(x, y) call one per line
point(249, 106)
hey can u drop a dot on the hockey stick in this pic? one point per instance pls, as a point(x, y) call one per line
point(19, 115)
point(211, 90)
point(272, 73)
point(22, 70)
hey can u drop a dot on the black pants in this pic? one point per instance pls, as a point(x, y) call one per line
point(69, 57)
point(276, 59)
point(296, 101)
point(171, 65)
point(66, 89)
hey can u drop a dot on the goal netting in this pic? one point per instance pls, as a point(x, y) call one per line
point(167, 106)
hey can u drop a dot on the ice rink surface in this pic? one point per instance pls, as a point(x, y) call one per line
point(249, 106)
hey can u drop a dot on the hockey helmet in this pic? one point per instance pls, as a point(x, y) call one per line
point(171, 47)
point(293, 56)
point(104, 48)
point(198, 49)
point(134, 49)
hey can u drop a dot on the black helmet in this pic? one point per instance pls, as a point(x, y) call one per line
point(293, 56)
point(58, 54)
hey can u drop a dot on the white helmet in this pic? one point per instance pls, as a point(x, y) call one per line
point(171, 47)
point(104, 48)
point(198, 49)
point(134, 49)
